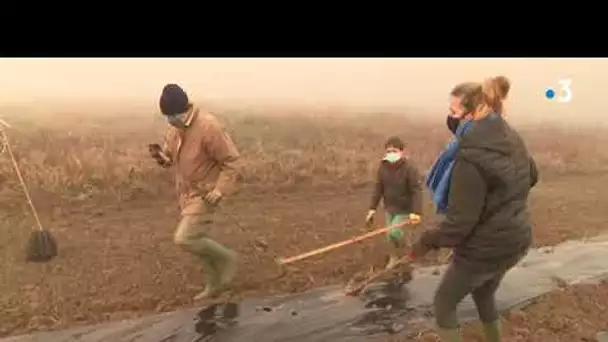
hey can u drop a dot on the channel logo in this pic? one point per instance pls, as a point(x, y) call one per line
point(561, 93)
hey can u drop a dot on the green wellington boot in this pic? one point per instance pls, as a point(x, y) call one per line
point(228, 270)
point(212, 280)
point(492, 331)
point(224, 261)
point(449, 335)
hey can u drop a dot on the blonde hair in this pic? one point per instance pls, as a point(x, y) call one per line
point(496, 90)
point(491, 92)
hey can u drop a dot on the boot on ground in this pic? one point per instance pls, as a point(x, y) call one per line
point(492, 331)
point(212, 280)
point(449, 335)
point(224, 261)
point(209, 292)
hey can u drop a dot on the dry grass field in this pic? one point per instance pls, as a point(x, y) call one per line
point(305, 182)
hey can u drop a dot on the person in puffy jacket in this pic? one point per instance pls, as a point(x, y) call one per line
point(486, 224)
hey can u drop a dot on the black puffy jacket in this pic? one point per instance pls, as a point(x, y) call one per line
point(487, 221)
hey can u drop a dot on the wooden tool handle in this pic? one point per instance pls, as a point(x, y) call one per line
point(284, 261)
point(5, 124)
point(21, 180)
point(355, 290)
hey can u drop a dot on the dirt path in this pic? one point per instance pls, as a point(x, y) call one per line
point(118, 260)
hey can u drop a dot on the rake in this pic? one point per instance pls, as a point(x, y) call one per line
point(41, 246)
point(337, 245)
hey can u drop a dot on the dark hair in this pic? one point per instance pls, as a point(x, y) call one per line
point(492, 92)
point(395, 142)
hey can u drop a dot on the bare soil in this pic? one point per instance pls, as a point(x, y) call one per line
point(117, 258)
point(118, 261)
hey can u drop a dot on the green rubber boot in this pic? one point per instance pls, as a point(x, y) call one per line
point(208, 292)
point(228, 269)
point(492, 331)
point(224, 261)
point(449, 335)
point(212, 281)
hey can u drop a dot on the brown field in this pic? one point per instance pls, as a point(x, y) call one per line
point(306, 182)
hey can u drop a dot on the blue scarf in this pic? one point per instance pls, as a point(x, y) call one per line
point(438, 179)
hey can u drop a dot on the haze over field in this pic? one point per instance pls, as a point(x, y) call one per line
point(381, 83)
point(81, 131)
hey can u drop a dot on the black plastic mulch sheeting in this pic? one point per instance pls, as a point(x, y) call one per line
point(323, 314)
point(326, 314)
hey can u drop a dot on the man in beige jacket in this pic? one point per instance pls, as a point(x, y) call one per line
point(203, 157)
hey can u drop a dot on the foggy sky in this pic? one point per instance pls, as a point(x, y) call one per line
point(422, 83)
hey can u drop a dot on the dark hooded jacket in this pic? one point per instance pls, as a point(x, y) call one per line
point(399, 185)
point(487, 222)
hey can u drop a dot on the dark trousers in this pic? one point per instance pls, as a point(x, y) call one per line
point(459, 281)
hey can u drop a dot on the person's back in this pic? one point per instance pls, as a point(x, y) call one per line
point(503, 232)
point(486, 222)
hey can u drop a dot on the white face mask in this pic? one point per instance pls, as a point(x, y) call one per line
point(392, 157)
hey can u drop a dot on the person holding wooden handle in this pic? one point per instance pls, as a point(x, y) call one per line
point(399, 186)
point(487, 224)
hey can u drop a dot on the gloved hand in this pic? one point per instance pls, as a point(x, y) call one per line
point(156, 152)
point(213, 197)
point(415, 218)
point(370, 216)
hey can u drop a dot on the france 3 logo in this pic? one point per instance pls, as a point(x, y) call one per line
point(562, 93)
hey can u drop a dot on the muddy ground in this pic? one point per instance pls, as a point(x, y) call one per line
point(114, 214)
point(118, 261)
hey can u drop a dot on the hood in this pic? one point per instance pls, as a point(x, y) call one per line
point(495, 148)
point(491, 134)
